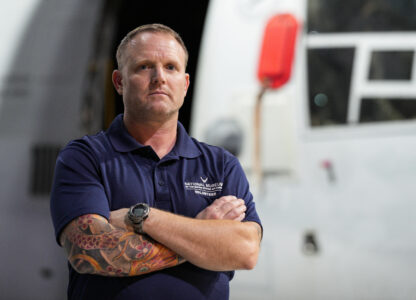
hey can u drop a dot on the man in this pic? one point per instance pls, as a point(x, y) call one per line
point(143, 210)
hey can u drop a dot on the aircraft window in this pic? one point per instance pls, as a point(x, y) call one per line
point(358, 15)
point(329, 77)
point(391, 65)
point(376, 110)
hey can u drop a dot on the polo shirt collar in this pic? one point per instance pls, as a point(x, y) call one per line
point(185, 146)
point(120, 138)
point(122, 141)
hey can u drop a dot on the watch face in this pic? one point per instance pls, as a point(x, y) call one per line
point(139, 211)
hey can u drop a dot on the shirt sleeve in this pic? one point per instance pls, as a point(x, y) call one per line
point(77, 189)
point(236, 183)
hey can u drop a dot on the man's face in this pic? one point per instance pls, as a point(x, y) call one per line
point(152, 80)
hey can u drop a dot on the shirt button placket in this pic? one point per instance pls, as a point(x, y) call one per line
point(161, 188)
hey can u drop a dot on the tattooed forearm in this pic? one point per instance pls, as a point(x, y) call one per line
point(95, 246)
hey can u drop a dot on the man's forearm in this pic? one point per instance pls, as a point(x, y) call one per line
point(95, 246)
point(217, 245)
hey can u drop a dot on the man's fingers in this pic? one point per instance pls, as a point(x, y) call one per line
point(236, 211)
point(240, 217)
point(231, 205)
point(232, 209)
point(226, 207)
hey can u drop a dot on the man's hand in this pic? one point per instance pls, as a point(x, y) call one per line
point(224, 208)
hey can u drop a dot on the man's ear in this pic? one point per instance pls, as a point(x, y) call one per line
point(186, 83)
point(117, 81)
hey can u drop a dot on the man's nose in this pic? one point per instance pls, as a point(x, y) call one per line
point(158, 75)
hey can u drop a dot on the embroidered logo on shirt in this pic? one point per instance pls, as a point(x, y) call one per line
point(204, 187)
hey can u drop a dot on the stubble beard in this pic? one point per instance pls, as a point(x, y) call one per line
point(149, 113)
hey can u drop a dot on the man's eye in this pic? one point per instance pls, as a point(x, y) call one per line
point(143, 67)
point(170, 67)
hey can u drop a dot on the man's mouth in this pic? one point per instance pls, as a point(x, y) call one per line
point(158, 93)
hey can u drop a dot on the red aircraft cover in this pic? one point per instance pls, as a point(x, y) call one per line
point(278, 50)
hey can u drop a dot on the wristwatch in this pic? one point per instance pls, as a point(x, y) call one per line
point(137, 214)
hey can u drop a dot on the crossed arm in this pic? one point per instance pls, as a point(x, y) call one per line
point(214, 240)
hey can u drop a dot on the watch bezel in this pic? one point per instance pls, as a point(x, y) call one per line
point(135, 219)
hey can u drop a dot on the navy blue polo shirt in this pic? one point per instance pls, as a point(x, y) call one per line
point(111, 170)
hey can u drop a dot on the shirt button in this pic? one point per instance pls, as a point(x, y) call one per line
point(161, 183)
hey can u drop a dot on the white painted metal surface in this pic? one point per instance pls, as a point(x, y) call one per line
point(43, 61)
point(363, 219)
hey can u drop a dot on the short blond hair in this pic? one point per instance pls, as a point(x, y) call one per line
point(155, 28)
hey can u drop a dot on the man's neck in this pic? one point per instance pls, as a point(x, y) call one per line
point(161, 136)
